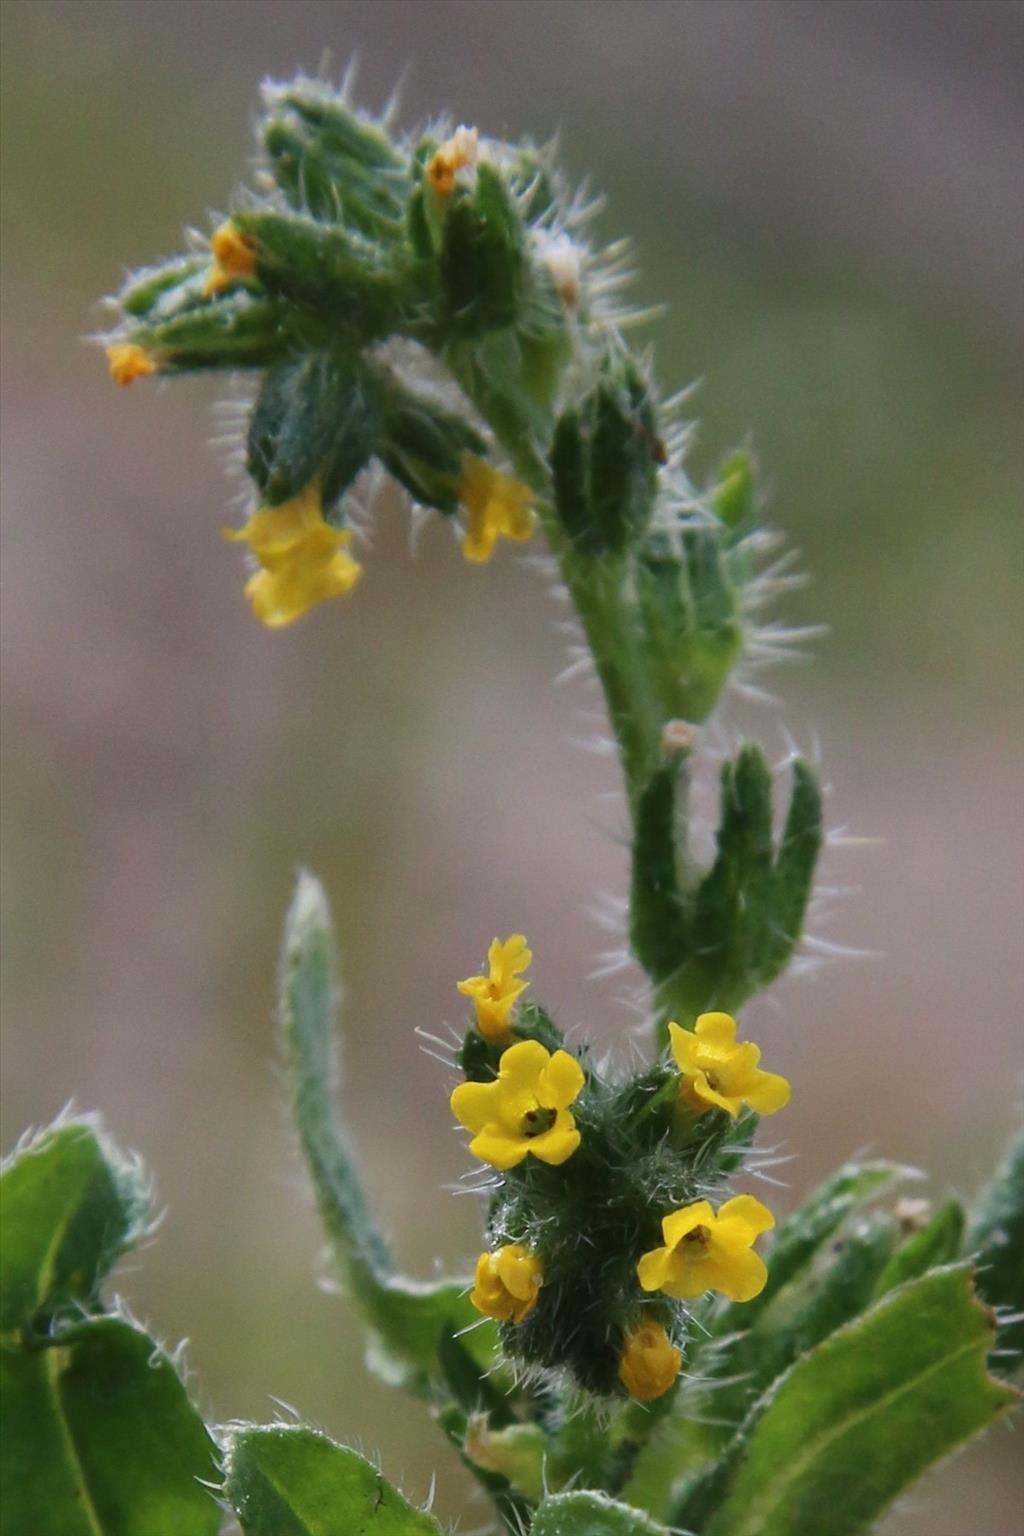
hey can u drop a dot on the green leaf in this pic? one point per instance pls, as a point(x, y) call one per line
point(996, 1238)
point(291, 1481)
point(938, 1242)
point(70, 1205)
point(591, 1514)
point(888, 1395)
point(100, 1439)
point(410, 1319)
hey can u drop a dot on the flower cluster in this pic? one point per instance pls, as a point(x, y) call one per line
point(575, 1237)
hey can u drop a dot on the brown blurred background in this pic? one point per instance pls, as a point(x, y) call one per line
point(828, 196)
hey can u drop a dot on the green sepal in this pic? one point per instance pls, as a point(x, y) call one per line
point(748, 912)
point(71, 1205)
point(478, 1058)
point(286, 1480)
point(940, 1241)
point(156, 287)
point(996, 1239)
point(334, 163)
point(315, 420)
point(591, 1514)
point(512, 1504)
point(423, 446)
point(340, 278)
point(482, 263)
point(604, 462)
point(238, 329)
point(690, 610)
point(100, 1438)
point(890, 1393)
point(658, 915)
point(408, 1318)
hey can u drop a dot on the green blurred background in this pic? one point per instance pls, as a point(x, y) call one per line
point(827, 194)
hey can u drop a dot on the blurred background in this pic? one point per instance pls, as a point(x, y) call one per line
point(827, 195)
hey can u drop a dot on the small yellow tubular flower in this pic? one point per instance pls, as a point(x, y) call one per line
point(495, 505)
point(234, 257)
point(456, 154)
point(507, 1283)
point(649, 1363)
point(525, 1109)
point(708, 1252)
point(128, 362)
point(494, 995)
point(719, 1074)
point(302, 559)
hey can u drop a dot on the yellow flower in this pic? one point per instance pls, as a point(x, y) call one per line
point(129, 362)
point(495, 504)
point(708, 1252)
point(302, 559)
point(526, 1108)
point(454, 155)
point(649, 1363)
point(494, 995)
point(507, 1283)
point(234, 257)
point(718, 1073)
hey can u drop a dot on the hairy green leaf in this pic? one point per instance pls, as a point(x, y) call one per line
point(591, 1514)
point(70, 1207)
point(100, 1439)
point(409, 1318)
point(285, 1480)
point(889, 1394)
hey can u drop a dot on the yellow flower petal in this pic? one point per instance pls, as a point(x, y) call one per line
point(716, 1029)
point(560, 1082)
point(677, 1224)
point(495, 505)
point(747, 1215)
point(302, 558)
point(522, 1065)
point(507, 1283)
point(740, 1276)
point(768, 1093)
point(473, 1104)
point(495, 1146)
point(652, 1269)
point(649, 1363)
point(558, 1144)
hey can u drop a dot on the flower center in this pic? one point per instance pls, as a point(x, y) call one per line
point(696, 1243)
point(537, 1120)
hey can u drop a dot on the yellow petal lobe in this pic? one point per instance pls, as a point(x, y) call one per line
point(496, 506)
point(128, 361)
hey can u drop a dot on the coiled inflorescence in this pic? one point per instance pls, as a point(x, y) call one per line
point(602, 1227)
